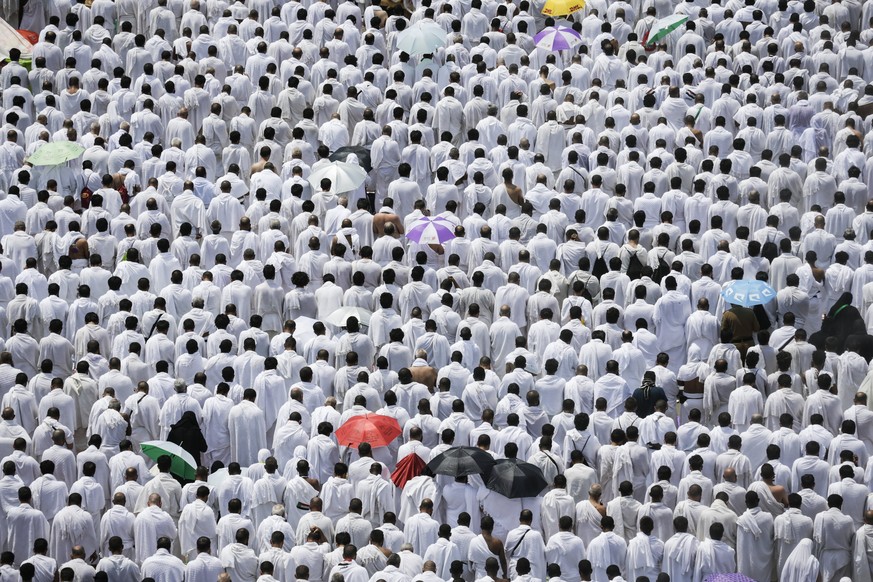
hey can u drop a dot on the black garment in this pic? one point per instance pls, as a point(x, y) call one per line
point(187, 434)
point(646, 399)
point(843, 322)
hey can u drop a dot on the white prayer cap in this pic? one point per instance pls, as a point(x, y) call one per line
point(263, 455)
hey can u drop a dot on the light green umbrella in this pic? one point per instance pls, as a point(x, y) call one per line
point(56, 153)
point(665, 26)
point(183, 465)
point(421, 38)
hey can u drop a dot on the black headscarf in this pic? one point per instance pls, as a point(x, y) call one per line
point(187, 434)
point(841, 321)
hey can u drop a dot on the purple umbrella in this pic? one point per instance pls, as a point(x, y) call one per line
point(431, 231)
point(734, 577)
point(557, 38)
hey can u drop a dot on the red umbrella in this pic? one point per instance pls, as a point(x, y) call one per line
point(408, 468)
point(375, 429)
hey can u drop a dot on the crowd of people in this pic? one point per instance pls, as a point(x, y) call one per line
point(180, 276)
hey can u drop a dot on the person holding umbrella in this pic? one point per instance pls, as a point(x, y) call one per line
point(187, 434)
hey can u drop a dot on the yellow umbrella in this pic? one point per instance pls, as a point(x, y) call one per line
point(562, 7)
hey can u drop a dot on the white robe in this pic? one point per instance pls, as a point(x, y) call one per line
point(755, 544)
point(248, 432)
point(151, 524)
point(714, 557)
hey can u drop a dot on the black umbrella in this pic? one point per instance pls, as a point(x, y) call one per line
point(513, 478)
point(459, 461)
point(363, 156)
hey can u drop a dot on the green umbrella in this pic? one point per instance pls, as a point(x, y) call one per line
point(665, 26)
point(183, 465)
point(56, 153)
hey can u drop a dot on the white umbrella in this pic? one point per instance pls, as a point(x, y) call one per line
point(218, 477)
point(421, 38)
point(343, 176)
point(304, 332)
point(339, 317)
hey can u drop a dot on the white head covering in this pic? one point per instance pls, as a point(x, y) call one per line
point(801, 565)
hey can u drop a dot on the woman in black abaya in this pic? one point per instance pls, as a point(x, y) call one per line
point(187, 434)
point(844, 321)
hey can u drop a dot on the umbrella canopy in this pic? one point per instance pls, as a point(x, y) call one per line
point(375, 429)
point(513, 478)
point(409, 467)
point(458, 461)
point(343, 176)
point(183, 464)
point(304, 331)
point(23, 40)
point(748, 293)
point(341, 315)
point(421, 38)
point(557, 38)
point(218, 477)
point(362, 153)
point(56, 153)
point(431, 231)
point(665, 26)
point(562, 7)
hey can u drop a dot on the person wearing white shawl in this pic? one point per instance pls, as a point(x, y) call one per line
point(72, 526)
point(719, 513)
point(783, 401)
point(25, 525)
point(771, 496)
point(422, 529)
point(116, 564)
point(385, 158)
point(644, 552)
point(832, 532)
point(239, 560)
point(442, 553)
point(117, 522)
point(566, 549)
point(165, 487)
point(755, 540)
point(815, 137)
point(197, 520)
point(862, 568)
point(376, 494)
point(589, 514)
point(248, 430)
point(801, 565)
point(151, 523)
point(851, 372)
point(854, 494)
point(623, 510)
point(606, 550)
point(205, 567)
point(713, 555)
point(744, 402)
point(556, 504)
point(266, 569)
point(268, 490)
point(161, 564)
point(672, 310)
point(790, 529)
point(680, 553)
